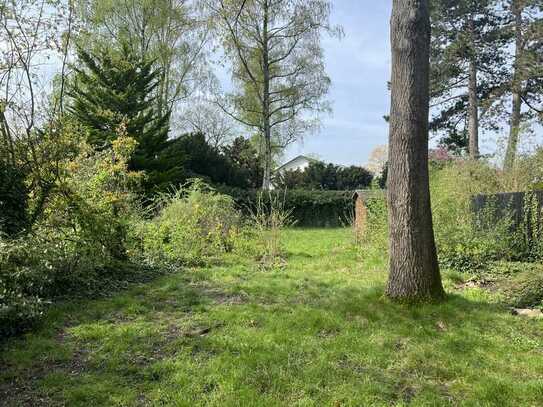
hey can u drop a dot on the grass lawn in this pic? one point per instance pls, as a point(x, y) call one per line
point(317, 333)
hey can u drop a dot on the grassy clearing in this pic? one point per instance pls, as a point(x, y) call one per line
point(316, 333)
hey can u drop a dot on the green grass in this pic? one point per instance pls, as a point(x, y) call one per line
point(316, 333)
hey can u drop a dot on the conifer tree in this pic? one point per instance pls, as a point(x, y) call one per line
point(526, 26)
point(114, 89)
point(469, 69)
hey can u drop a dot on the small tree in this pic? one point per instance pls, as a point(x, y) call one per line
point(414, 270)
point(113, 89)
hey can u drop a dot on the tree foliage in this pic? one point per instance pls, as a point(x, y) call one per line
point(112, 92)
point(171, 33)
point(321, 176)
point(277, 64)
point(469, 70)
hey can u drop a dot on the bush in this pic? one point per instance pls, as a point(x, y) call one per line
point(81, 245)
point(520, 283)
point(21, 287)
point(526, 289)
point(194, 226)
point(464, 242)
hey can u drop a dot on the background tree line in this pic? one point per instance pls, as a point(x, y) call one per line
point(321, 176)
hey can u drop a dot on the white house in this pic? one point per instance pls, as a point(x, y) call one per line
point(298, 163)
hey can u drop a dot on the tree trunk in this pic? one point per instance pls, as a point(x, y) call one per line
point(414, 271)
point(6, 134)
point(266, 108)
point(473, 113)
point(516, 88)
point(473, 108)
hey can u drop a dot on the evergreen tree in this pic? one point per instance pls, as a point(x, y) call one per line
point(244, 155)
point(469, 70)
point(526, 88)
point(114, 91)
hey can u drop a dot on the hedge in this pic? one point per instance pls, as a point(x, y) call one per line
point(13, 199)
point(309, 208)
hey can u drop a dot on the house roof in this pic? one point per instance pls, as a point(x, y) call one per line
point(309, 159)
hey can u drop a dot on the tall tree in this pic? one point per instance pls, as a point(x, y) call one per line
point(169, 32)
point(526, 25)
point(114, 90)
point(414, 270)
point(277, 60)
point(468, 67)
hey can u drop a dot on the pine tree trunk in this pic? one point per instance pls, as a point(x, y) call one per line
point(516, 88)
point(414, 271)
point(473, 104)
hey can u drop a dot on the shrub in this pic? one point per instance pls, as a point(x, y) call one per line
point(195, 225)
point(466, 243)
point(520, 283)
point(21, 285)
point(81, 244)
point(321, 176)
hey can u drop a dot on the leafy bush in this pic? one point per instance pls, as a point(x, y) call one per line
point(82, 243)
point(195, 226)
point(526, 289)
point(21, 286)
point(520, 283)
point(464, 242)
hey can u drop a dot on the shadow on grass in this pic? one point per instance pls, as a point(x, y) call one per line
point(140, 336)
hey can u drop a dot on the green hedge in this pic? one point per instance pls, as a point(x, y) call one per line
point(309, 208)
point(13, 199)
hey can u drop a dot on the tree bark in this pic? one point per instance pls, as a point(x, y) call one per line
point(266, 104)
point(473, 112)
point(414, 271)
point(473, 97)
point(516, 88)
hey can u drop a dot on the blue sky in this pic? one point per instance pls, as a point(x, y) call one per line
point(359, 66)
